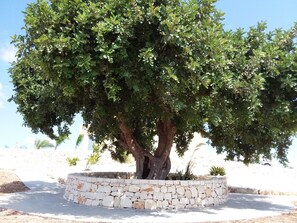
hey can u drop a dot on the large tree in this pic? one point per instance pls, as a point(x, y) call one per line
point(137, 69)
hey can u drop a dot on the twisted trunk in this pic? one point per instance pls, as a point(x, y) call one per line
point(150, 166)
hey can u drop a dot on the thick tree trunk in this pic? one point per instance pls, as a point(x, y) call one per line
point(150, 166)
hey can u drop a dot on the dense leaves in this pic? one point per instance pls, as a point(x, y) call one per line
point(142, 61)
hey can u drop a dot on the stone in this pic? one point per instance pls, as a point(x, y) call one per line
point(89, 202)
point(163, 189)
point(138, 205)
point(81, 200)
point(116, 202)
point(99, 196)
point(150, 204)
point(87, 187)
point(180, 190)
point(208, 192)
point(184, 201)
point(158, 196)
point(126, 202)
point(175, 202)
point(143, 195)
point(134, 188)
point(184, 183)
point(147, 188)
point(108, 201)
point(194, 192)
point(157, 189)
point(188, 194)
point(171, 189)
point(159, 204)
point(165, 204)
point(95, 203)
point(167, 196)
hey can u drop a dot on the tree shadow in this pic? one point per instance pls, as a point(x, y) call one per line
point(46, 199)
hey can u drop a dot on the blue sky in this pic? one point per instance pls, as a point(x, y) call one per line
point(239, 13)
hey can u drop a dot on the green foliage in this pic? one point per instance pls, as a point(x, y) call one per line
point(149, 60)
point(217, 171)
point(94, 157)
point(79, 140)
point(72, 161)
point(59, 140)
point(40, 144)
point(187, 175)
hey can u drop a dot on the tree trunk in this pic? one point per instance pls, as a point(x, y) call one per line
point(150, 166)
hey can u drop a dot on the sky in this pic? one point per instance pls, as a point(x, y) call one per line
point(238, 14)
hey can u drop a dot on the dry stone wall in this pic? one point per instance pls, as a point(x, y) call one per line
point(118, 190)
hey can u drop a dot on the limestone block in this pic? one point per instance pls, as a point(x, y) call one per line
point(157, 189)
point(126, 202)
point(188, 194)
point(143, 195)
point(146, 188)
point(134, 188)
point(171, 189)
point(79, 186)
point(107, 189)
point(159, 204)
point(194, 192)
point(108, 201)
point(87, 187)
point(128, 194)
point(208, 192)
point(116, 202)
point(95, 203)
point(175, 202)
point(99, 196)
point(192, 201)
point(184, 183)
point(163, 189)
point(81, 200)
point(150, 204)
point(89, 202)
point(138, 205)
point(184, 201)
point(165, 204)
point(168, 196)
point(169, 182)
point(71, 197)
point(180, 190)
point(158, 196)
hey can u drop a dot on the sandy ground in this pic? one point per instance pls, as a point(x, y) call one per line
point(50, 165)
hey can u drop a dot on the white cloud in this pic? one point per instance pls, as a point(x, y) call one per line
point(7, 53)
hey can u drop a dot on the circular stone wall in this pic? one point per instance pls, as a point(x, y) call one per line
point(120, 190)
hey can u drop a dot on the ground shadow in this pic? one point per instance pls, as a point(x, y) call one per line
point(45, 198)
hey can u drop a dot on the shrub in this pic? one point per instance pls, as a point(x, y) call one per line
point(94, 157)
point(180, 175)
point(72, 161)
point(216, 170)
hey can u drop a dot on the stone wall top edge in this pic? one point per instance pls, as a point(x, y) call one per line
point(84, 175)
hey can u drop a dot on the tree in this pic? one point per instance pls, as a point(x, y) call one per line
point(40, 144)
point(136, 69)
point(59, 140)
point(79, 140)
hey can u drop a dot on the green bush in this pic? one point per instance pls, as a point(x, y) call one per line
point(72, 161)
point(217, 171)
point(94, 157)
point(180, 175)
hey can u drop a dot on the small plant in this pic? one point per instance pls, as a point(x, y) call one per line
point(217, 171)
point(94, 157)
point(187, 175)
point(72, 161)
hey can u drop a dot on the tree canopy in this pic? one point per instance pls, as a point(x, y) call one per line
point(136, 69)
